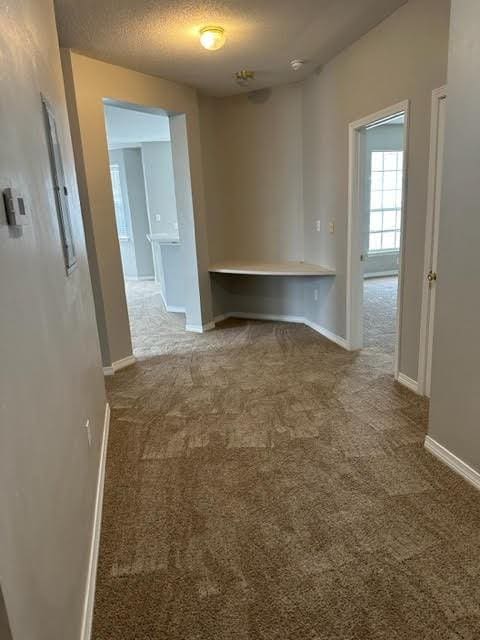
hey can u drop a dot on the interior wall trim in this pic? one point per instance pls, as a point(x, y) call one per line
point(451, 460)
point(200, 328)
point(119, 364)
point(87, 617)
point(380, 274)
point(285, 318)
point(410, 383)
point(173, 309)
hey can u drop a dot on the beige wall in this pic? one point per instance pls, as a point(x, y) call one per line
point(404, 57)
point(455, 397)
point(278, 166)
point(88, 82)
point(51, 380)
point(258, 150)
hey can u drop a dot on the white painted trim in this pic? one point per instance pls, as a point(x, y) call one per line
point(266, 316)
point(410, 383)
point(89, 601)
point(327, 334)
point(139, 278)
point(284, 318)
point(119, 364)
point(437, 96)
point(451, 460)
point(173, 309)
point(200, 328)
point(354, 337)
point(380, 274)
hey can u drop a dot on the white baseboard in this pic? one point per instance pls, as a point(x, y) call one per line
point(173, 309)
point(119, 364)
point(200, 328)
point(87, 617)
point(266, 316)
point(327, 334)
point(451, 460)
point(285, 318)
point(380, 274)
point(410, 383)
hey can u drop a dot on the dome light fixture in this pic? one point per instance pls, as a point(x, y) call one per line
point(212, 38)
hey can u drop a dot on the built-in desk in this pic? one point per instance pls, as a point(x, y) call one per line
point(271, 268)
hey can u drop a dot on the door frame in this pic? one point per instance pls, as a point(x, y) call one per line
point(354, 302)
point(437, 96)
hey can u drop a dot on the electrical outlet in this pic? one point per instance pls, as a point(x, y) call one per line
point(158, 217)
point(318, 225)
point(89, 432)
point(315, 294)
point(331, 226)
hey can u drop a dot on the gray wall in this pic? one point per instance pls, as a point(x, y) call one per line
point(404, 57)
point(136, 252)
point(127, 246)
point(455, 397)
point(281, 160)
point(160, 187)
point(138, 212)
point(51, 379)
point(170, 274)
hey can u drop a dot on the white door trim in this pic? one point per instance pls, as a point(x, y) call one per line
point(353, 307)
point(437, 96)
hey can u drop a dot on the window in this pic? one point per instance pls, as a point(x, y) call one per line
point(60, 189)
point(386, 182)
point(120, 215)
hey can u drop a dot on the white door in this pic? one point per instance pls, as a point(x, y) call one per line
point(439, 110)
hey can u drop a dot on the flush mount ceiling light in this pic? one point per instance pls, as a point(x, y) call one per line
point(244, 77)
point(212, 38)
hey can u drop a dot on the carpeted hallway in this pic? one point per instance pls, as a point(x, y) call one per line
point(264, 484)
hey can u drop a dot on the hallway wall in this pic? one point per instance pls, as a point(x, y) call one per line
point(276, 167)
point(88, 82)
point(455, 398)
point(51, 381)
point(404, 57)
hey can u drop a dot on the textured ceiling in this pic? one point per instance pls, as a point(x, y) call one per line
point(127, 126)
point(160, 37)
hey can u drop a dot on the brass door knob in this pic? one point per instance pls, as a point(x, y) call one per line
point(431, 276)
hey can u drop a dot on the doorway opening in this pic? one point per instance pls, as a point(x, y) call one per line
point(376, 228)
point(147, 222)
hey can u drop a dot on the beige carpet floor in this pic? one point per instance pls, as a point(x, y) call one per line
point(264, 484)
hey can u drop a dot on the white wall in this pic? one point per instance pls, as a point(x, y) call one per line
point(455, 397)
point(51, 380)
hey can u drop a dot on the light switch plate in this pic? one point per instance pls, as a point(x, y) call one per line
point(15, 208)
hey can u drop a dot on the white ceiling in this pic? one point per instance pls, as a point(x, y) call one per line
point(160, 37)
point(126, 127)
